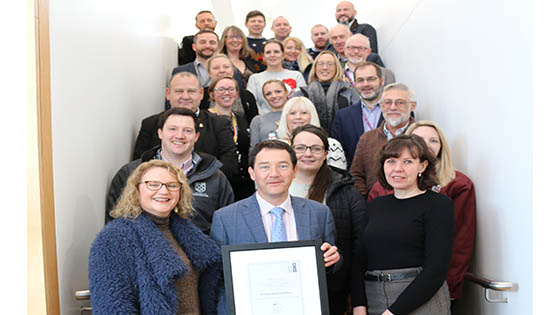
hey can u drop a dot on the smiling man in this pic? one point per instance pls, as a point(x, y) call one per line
point(281, 28)
point(351, 122)
point(320, 39)
point(346, 14)
point(216, 136)
point(204, 21)
point(205, 46)
point(271, 214)
point(178, 131)
point(397, 104)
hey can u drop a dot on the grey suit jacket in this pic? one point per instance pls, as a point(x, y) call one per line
point(241, 223)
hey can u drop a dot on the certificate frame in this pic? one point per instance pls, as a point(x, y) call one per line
point(275, 278)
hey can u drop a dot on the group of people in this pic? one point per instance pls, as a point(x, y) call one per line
point(263, 140)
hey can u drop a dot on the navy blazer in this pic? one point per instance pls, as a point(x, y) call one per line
point(241, 222)
point(347, 127)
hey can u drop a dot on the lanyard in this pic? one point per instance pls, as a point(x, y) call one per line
point(366, 120)
point(233, 122)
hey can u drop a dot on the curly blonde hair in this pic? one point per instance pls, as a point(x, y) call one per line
point(128, 205)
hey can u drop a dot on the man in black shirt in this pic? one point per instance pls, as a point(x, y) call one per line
point(346, 14)
point(320, 39)
point(204, 21)
point(255, 23)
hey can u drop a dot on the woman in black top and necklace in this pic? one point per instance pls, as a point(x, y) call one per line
point(224, 91)
point(405, 250)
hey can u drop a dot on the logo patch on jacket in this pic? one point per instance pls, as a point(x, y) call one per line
point(200, 187)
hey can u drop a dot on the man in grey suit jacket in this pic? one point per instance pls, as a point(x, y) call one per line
point(251, 220)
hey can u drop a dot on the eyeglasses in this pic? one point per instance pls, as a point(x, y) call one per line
point(315, 149)
point(368, 80)
point(357, 48)
point(154, 185)
point(233, 36)
point(222, 89)
point(323, 64)
point(398, 102)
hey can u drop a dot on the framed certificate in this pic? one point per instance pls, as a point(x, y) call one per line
point(282, 278)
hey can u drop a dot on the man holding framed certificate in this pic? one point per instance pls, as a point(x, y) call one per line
point(271, 214)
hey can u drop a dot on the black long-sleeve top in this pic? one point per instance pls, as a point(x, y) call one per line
point(406, 233)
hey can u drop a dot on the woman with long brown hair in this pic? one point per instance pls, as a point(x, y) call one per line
point(334, 187)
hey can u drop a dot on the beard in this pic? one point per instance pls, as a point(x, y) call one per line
point(355, 61)
point(371, 97)
point(203, 55)
point(396, 122)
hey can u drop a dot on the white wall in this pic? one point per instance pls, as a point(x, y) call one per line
point(470, 65)
point(109, 64)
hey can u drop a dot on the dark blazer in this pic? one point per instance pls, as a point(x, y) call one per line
point(347, 127)
point(241, 222)
point(186, 54)
point(216, 138)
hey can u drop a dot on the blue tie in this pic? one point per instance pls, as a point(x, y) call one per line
point(278, 231)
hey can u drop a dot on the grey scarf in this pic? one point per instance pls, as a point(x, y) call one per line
point(326, 105)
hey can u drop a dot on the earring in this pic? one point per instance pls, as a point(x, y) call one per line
point(419, 174)
point(176, 210)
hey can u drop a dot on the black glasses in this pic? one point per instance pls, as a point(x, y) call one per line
point(154, 185)
point(315, 149)
point(223, 89)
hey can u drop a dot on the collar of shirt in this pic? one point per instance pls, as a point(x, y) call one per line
point(202, 73)
point(187, 166)
point(399, 131)
point(251, 37)
point(265, 206)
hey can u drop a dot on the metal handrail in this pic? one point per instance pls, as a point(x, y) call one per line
point(490, 285)
point(83, 295)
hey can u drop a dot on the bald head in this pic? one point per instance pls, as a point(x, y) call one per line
point(338, 36)
point(345, 12)
point(281, 28)
point(357, 49)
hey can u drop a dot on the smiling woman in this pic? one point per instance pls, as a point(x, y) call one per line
point(295, 55)
point(224, 92)
point(152, 246)
point(317, 181)
point(273, 55)
point(413, 228)
point(327, 88)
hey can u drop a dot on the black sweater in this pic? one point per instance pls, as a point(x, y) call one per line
point(405, 233)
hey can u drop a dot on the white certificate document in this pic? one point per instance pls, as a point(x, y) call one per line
point(276, 288)
point(276, 281)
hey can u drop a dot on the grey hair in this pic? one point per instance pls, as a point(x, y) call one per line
point(401, 87)
point(357, 36)
point(184, 74)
